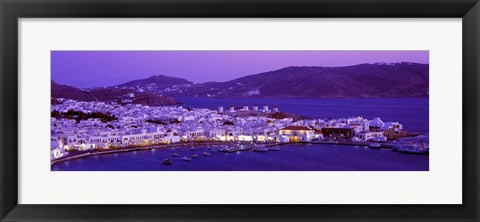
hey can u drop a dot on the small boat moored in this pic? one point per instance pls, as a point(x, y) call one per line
point(186, 158)
point(375, 145)
point(413, 148)
point(275, 148)
point(227, 150)
point(175, 154)
point(167, 162)
point(206, 153)
point(260, 149)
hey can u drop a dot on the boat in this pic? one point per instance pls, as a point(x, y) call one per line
point(227, 150)
point(414, 149)
point(375, 145)
point(380, 139)
point(194, 156)
point(167, 162)
point(275, 148)
point(175, 154)
point(206, 153)
point(186, 158)
point(260, 149)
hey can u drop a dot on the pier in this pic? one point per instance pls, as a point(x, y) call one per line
point(248, 147)
point(346, 143)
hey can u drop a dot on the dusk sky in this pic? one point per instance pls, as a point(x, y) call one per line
point(106, 68)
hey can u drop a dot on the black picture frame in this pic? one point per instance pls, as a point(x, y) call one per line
point(12, 10)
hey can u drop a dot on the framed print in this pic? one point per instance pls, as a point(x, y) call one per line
point(279, 110)
point(178, 119)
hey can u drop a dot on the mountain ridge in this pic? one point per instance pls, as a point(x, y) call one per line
point(356, 81)
point(378, 80)
point(108, 94)
point(161, 81)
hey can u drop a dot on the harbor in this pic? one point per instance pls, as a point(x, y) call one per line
point(277, 137)
point(226, 147)
point(289, 157)
point(191, 152)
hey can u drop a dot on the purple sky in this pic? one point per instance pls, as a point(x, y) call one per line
point(106, 68)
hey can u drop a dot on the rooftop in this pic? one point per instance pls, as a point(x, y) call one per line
point(296, 128)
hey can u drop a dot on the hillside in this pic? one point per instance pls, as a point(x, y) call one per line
point(401, 80)
point(109, 94)
point(69, 92)
point(155, 83)
point(364, 80)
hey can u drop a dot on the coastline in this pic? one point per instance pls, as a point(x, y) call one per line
point(284, 157)
point(346, 143)
point(121, 150)
point(129, 149)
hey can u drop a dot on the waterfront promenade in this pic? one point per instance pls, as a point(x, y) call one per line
point(221, 146)
point(346, 143)
point(288, 157)
point(81, 154)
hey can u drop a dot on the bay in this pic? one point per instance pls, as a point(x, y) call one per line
point(413, 113)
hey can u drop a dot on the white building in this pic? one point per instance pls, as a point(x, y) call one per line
point(366, 136)
point(298, 133)
point(172, 136)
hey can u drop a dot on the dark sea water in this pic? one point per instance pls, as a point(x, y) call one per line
point(412, 113)
point(291, 157)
